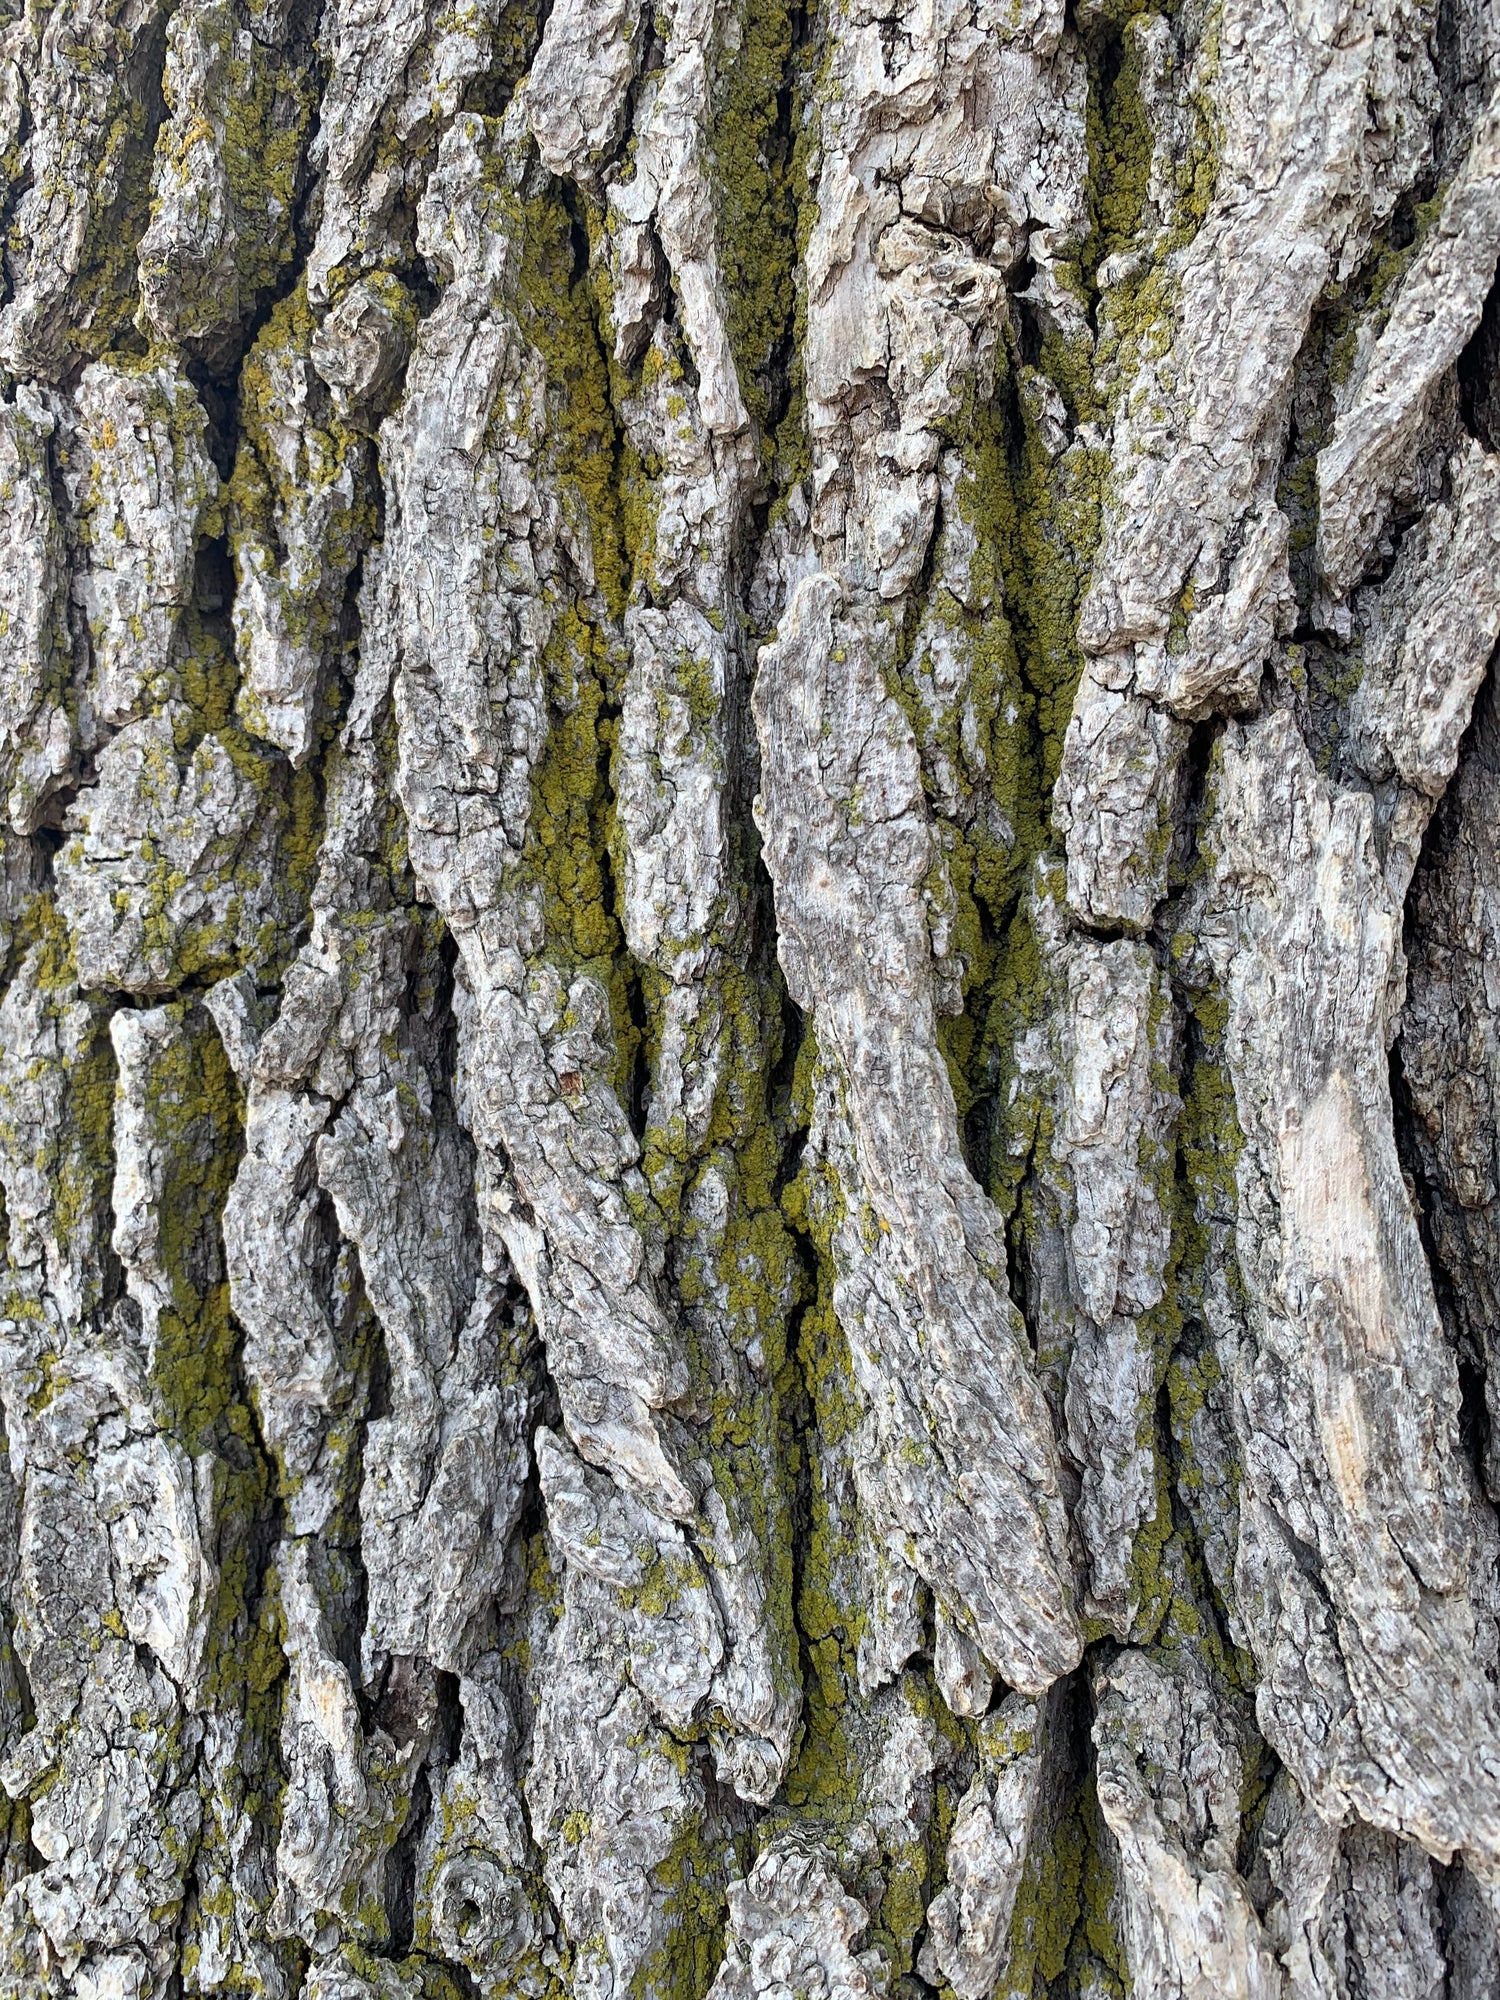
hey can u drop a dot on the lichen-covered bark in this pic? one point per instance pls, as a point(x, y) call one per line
point(749, 1045)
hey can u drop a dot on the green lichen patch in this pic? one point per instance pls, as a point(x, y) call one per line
point(1065, 1932)
point(1119, 141)
point(895, 1867)
point(241, 1801)
point(823, 1781)
point(1034, 518)
point(513, 40)
point(824, 1777)
point(268, 111)
point(103, 297)
point(265, 482)
point(759, 177)
point(694, 1910)
point(193, 1105)
point(1175, 1595)
point(565, 320)
point(571, 827)
point(1136, 316)
point(1210, 1133)
point(57, 1115)
point(300, 520)
point(247, 130)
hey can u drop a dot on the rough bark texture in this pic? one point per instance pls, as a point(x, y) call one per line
point(750, 1032)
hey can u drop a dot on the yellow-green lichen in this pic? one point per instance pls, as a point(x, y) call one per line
point(193, 1109)
point(692, 1881)
point(824, 1777)
point(1033, 517)
point(102, 297)
point(565, 323)
point(756, 179)
point(299, 522)
point(249, 129)
point(1064, 1931)
point(72, 1087)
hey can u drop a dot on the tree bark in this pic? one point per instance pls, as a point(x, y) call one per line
point(750, 1043)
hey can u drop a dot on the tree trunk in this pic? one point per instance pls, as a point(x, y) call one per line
point(750, 1046)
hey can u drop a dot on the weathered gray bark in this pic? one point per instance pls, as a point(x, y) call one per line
point(750, 1035)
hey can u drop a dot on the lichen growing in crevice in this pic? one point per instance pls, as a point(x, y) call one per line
point(1065, 1926)
point(760, 178)
point(1034, 519)
point(75, 1153)
point(104, 294)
